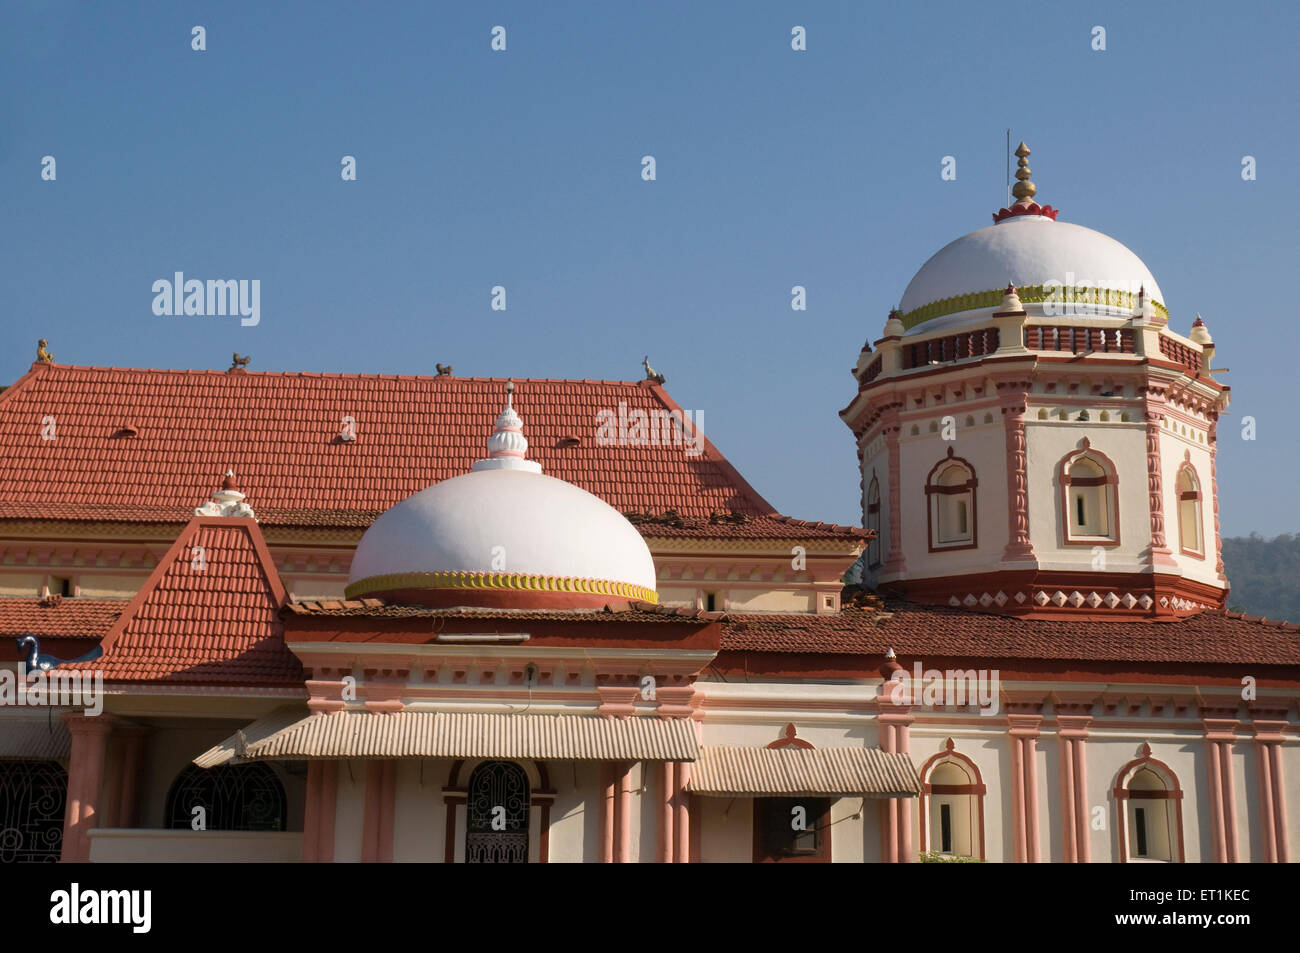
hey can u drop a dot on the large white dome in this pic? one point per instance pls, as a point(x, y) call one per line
point(504, 535)
point(1027, 251)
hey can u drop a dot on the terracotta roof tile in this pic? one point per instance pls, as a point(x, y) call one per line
point(218, 624)
point(938, 631)
point(281, 434)
point(59, 618)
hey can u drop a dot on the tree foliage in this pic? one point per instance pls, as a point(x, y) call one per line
point(1264, 574)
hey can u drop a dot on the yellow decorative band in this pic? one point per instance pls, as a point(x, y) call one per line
point(1031, 294)
point(516, 582)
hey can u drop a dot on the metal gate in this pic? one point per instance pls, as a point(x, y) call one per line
point(499, 801)
point(33, 795)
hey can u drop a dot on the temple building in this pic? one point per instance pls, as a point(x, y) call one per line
point(343, 617)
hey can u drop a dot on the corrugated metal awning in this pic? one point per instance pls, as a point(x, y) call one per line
point(784, 772)
point(34, 739)
point(291, 735)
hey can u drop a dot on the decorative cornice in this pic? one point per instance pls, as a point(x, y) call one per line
point(517, 582)
point(1031, 294)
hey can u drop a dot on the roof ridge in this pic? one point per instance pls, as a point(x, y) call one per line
point(342, 375)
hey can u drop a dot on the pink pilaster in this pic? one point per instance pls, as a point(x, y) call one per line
point(1017, 802)
point(85, 781)
point(896, 812)
point(1214, 494)
point(1155, 414)
point(1220, 734)
point(321, 804)
point(377, 825)
point(1215, 779)
point(1031, 799)
point(894, 562)
point(1269, 835)
point(1019, 548)
point(1229, 802)
point(682, 824)
point(607, 804)
point(668, 780)
point(1068, 830)
point(1081, 800)
point(1024, 733)
point(902, 743)
point(1270, 727)
point(623, 814)
point(1279, 807)
point(133, 737)
point(1073, 732)
point(310, 815)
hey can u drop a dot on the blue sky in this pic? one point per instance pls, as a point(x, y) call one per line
point(522, 169)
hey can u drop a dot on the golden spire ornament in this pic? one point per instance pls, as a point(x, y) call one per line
point(1024, 189)
point(1023, 192)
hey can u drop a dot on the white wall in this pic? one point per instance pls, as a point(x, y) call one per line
point(1125, 444)
point(984, 448)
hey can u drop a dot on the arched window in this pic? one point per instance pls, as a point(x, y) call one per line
point(873, 522)
point(952, 805)
point(950, 493)
point(1089, 501)
point(1191, 538)
point(498, 806)
point(32, 799)
point(1148, 801)
point(234, 797)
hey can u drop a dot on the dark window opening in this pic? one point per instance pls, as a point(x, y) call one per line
point(1141, 824)
point(710, 601)
point(236, 797)
point(945, 828)
point(792, 827)
point(1078, 502)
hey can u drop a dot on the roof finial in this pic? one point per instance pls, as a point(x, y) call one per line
point(43, 356)
point(1023, 192)
point(1024, 189)
point(507, 447)
point(227, 501)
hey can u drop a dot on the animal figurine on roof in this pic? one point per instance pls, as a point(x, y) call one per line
point(240, 361)
point(444, 370)
point(650, 373)
point(42, 355)
point(38, 661)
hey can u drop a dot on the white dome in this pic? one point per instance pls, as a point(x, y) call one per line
point(1028, 251)
point(505, 521)
point(504, 535)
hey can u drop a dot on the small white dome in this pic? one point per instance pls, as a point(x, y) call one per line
point(504, 535)
point(505, 521)
point(1027, 251)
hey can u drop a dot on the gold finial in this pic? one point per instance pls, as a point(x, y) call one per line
point(1023, 190)
point(42, 355)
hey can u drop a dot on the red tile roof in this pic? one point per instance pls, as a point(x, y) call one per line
point(917, 631)
point(218, 624)
point(59, 618)
point(150, 445)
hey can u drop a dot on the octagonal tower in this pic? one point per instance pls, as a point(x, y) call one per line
point(1034, 438)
